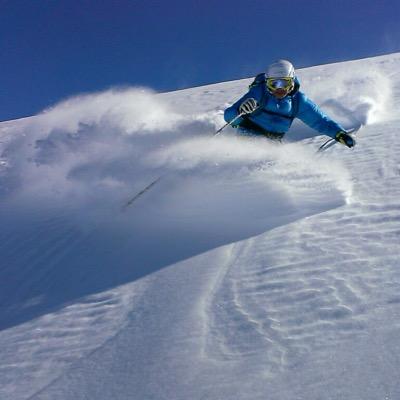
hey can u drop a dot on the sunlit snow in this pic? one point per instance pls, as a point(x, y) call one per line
point(249, 270)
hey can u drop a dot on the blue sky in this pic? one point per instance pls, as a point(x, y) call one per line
point(54, 49)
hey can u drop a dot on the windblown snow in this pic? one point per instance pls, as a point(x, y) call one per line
point(249, 270)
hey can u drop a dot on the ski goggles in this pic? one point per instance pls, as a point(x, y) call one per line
point(274, 84)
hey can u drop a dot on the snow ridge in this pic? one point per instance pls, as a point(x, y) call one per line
point(247, 266)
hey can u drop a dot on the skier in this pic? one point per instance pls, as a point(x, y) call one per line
point(272, 103)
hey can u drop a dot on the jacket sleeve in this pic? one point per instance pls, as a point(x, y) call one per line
point(313, 116)
point(232, 111)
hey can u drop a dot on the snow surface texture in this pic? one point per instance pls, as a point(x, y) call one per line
point(250, 270)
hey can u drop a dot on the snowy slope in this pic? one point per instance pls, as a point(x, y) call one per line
point(250, 270)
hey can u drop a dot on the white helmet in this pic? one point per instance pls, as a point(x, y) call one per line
point(280, 69)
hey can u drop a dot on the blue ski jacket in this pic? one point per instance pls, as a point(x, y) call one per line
point(276, 115)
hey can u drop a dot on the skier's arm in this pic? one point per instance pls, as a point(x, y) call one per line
point(313, 116)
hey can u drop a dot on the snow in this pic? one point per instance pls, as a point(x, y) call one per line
point(250, 270)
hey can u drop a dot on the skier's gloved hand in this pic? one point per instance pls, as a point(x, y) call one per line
point(248, 106)
point(345, 139)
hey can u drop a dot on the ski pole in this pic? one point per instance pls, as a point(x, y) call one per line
point(332, 141)
point(326, 145)
point(228, 123)
point(130, 201)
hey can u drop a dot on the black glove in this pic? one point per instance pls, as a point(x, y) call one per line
point(345, 139)
point(248, 106)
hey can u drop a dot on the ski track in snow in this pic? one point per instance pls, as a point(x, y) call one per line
point(247, 266)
